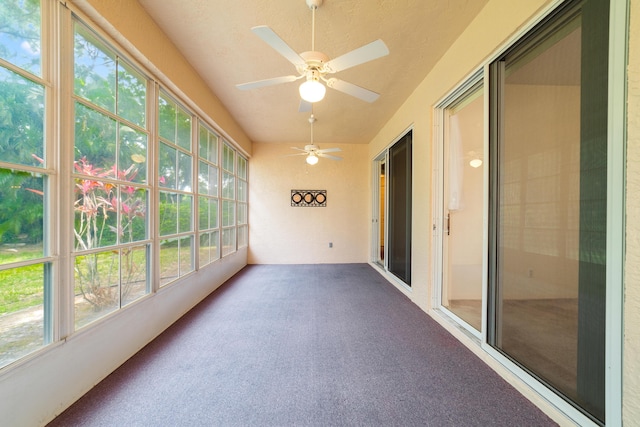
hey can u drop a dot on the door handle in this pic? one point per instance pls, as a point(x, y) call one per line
point(448, 224)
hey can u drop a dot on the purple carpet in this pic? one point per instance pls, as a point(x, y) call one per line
point(304, 345)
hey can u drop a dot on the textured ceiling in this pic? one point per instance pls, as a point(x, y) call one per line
point(215, 36)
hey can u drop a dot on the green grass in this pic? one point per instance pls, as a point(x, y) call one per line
point(21, 287)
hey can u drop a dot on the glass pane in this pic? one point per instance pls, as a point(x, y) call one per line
point(399, 193)
point(134, 273)
point(228, 241)
point(184, 172)
point(242, 213)
point(97, 290)
point(464, 207)
point(20, 34)
point(203, 178)
point(167, 166)
point(184, 129)
point(132, 209)
point(132, 95)
point(213, 181)
point(95, 142)
point(228, 185)
point(169, 265)
point(168, 213)
point(228, 158)
point(185, 213)
point(205, 249)
point(186, 255)
point(95, 205)
point(242, 167)
point(167, 118)
point(243, 237)
point(203, 143)
point(21, 216)
point(213, 211)
point(551, 212)
point(95, 70)
point(214, 241)
point(242, 190)
point(203, 213)
point(213, 148)
point(133, 155)
point(228, 213)
point(22, 118)
point(22, 322)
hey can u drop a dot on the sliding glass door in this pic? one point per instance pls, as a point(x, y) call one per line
point(462, 205)
point(548, 203)
point(392, 209)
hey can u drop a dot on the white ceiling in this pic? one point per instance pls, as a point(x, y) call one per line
point(215, 36)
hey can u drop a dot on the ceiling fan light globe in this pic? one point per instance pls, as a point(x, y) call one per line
point(312, 91)
point(312, 159)
point(475, 163)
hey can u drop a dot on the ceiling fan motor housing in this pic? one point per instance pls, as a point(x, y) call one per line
point(314, 4)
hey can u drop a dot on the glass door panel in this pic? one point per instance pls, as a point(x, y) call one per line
point(549, 211)
point(463, 208)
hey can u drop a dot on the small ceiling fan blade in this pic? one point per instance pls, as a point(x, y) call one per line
point(327, 156)
point(267, 82)
point(305, 106)
point(280, 46)
point(353, 90)
point(366, 53)
point(328, 150)
point(299, 149)
point(296, 154)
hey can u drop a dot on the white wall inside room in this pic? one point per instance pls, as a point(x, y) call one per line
point(282, 234)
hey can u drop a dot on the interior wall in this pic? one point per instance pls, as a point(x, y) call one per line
point(493, 26)
point(282, 234)
point(631, 355)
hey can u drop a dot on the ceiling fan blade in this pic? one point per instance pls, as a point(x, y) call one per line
point(353, 90)
point(267, 82)
point(299, 149)
point(327, 156)
point(304, 107)
point(366, 53)
point(274, 40)
point(328, 150)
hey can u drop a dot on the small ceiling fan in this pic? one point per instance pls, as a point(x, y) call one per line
point(312, 151)
point(315, 66)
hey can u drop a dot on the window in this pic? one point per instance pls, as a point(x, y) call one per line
point(94, 185)
point(208, 172)
point(243, 191)
point(25, 169)
point(176, 199)
point(549, 191)
point(111, 188)
point(228, 200)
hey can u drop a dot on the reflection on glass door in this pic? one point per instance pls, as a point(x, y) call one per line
point(463, 173)
point(550, 200)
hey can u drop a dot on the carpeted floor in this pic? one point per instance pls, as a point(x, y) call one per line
point(304, 345)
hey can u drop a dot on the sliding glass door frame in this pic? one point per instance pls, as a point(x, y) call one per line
point(615, 223)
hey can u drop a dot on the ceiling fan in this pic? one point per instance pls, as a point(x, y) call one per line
point(315, 66)
point(312, 151)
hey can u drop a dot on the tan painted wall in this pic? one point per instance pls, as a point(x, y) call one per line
point(139, 34)
point(631, 355)
point(493, 26)
point(282, 234)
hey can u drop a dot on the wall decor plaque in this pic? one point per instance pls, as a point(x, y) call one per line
point(309, 198)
